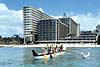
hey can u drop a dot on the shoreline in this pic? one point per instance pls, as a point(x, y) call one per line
point(45, 45)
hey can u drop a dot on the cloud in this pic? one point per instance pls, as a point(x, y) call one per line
point(67, 15)
point(87, 21)
point(56, 17)
point(10, 21)
point(41, 10)
point(3, 7)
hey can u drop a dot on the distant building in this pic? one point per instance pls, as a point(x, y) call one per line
point(72, 27)
point(31, 17)
point(84, 37)
point(87, 35)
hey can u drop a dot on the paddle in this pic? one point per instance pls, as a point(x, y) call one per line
point(56, 50)
point(45, 56)
point(51, 56)
point(55, 54)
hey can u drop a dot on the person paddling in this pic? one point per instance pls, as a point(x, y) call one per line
point(61, 47)
point(56, 49)
point(50, 51)
point(44, 52)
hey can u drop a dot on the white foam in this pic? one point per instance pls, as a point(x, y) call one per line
point(85, 55)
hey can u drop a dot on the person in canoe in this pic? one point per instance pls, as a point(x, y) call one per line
point(50, 51)
point(44, 52)
point(56, 49)
point(61, 47)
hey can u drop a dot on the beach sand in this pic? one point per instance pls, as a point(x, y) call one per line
point(53, 45)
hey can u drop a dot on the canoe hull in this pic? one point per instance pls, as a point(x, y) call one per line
point(48, 55)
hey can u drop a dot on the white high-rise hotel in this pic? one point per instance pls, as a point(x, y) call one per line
point(31, 18)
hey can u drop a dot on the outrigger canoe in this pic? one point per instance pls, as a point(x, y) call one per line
point(47, 55)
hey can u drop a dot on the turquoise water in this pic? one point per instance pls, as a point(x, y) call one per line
point(22, 57)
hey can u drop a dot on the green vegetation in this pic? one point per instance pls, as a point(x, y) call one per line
point(98, 39)
point(15, 39)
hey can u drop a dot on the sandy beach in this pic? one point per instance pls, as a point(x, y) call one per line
point(48, 45)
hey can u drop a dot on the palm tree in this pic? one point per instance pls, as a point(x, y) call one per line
point(18, 39)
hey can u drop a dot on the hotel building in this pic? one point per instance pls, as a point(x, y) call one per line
point(53, 30)
point(73, 29)
point(31, 17)
point(39, 27)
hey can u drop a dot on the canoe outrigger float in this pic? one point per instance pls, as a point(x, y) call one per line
point(47, 55)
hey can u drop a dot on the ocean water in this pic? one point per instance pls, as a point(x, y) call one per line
point(22, 57)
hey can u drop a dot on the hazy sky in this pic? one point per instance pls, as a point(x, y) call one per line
point(84, 12)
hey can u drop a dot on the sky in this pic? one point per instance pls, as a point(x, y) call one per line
point(84, 12)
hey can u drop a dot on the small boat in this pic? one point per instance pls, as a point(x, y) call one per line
point(47, 55)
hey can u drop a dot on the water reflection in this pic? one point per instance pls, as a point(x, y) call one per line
point(27, 56)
